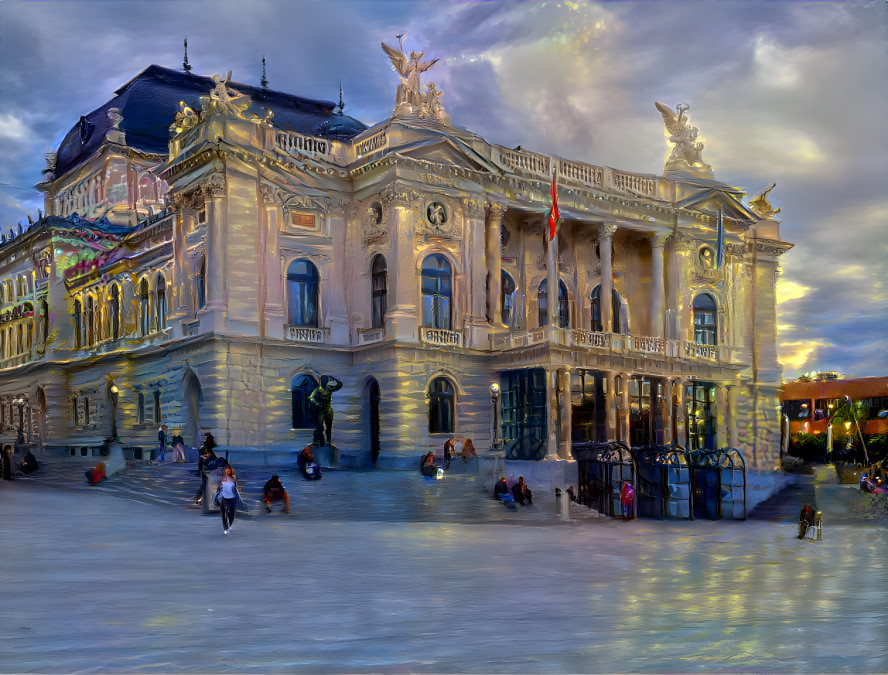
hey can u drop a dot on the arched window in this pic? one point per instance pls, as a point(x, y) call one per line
point(302, 294)
point(78, 324)
point(160, 303)
point(301, 389)
point(378, 281)
point(436, 292)
point(441, 406)
point(114, 312)
point(44, 321)
point(543, 304)
point(90, 321)
point(507, 298)
point(705, 324)
point(200, 285)
point(616, 305)
point(144, 308)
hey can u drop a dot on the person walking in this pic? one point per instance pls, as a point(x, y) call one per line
point(162, 442)
point(228, 498)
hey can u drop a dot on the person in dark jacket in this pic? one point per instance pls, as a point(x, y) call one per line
point(501, 488)
point(521, 493)
point(427, 465)
point(29, 463)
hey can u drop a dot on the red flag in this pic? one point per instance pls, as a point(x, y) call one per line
point(554, 215)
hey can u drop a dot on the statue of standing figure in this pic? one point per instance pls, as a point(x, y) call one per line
point(322, 401)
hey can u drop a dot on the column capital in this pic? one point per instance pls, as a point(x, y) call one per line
point(495, 211)
point(607, 230)
point(659, 239)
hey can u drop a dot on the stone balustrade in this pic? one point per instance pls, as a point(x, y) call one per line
point(304, 334)
point(442, 337)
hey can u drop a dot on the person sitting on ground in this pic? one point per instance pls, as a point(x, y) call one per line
point(521, 493)
point(467, 451)
point(307, 464)
point(274, 491)
point(29, 463)
point(179, 449)
point(96, 474)
point(427, 465)
point(6, 462)
point(501, 489)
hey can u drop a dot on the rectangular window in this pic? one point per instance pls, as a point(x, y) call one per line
point(303, 220)
point(85, 411)
point(140, 408)
point(202, 216)
point(157, 406)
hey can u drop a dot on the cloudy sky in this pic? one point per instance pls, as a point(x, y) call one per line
point(792, 93)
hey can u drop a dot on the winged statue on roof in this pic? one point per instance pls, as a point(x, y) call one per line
point(686, 148)
point(410, 96)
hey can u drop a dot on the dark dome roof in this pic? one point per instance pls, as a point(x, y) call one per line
point(148, 104)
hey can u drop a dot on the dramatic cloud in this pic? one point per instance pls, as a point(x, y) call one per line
point(782, 91)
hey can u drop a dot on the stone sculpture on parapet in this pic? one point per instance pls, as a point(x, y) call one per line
point(410, 96)
point(685, 156)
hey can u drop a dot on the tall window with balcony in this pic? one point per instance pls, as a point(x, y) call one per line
point(442, 406)
point(302, 294)
point(300, 390)
point(78, 324)
point(114, 312)
point(160, 302)
point(645, 411)
point(595, 304)
point(200, 285)
point(90, 321)
point(437, 287)
point(378, 282)
point(543, 304)
point(507, 299)
point(705, 321)
point(144, 308)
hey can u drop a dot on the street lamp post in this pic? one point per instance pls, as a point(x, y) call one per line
point(494, 405)
point(114, 391)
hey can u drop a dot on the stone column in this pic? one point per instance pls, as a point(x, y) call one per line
point(679, 412)
point(605, 242)
point(623, 417)
point(217, 224)
point(552, 416)
point(668, 412)
point(336, 312)
point(274, 316)
point(475, 277)
point(733, 437)
point(564, 412)
point(493, 251)
point(183, 273)
point(401, 319)
point(611, 404)
point(657, 284)
point(721, 417)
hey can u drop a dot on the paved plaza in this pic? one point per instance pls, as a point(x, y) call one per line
point(383, 571)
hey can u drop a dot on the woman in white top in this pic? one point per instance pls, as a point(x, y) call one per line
point(228, 498)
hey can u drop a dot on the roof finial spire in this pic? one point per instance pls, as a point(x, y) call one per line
point(264, 81)
point(185, 64)
point(341, 102)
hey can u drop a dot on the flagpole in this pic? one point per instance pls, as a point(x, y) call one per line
point(552, 259)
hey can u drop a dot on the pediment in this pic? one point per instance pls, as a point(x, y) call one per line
point(710, 200)
point(447, 152)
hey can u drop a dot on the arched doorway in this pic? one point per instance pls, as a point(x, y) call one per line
point(372, 408)
point(191, 417)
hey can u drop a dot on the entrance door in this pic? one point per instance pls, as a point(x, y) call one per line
point(193, 397)
point(707, 491)
point(524, 413)
point(373, 413)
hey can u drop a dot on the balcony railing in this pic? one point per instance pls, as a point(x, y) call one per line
point(692, 350)
point(303, 334)
point(440, 336)
point(585, 338)
point(367, 336)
